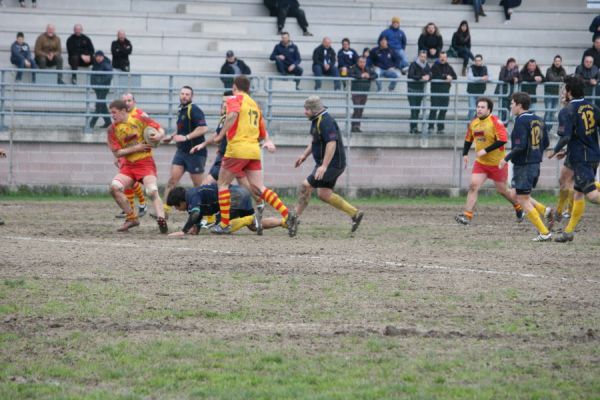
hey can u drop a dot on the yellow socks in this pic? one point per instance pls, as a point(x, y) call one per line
point(563, 198)
point(535, 219)
point(576, 214)
point(342, 205)
point(239, 223)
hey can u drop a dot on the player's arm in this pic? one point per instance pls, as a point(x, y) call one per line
point(193, 219)
point(229, 121)
point(519, 143)
point(501, 138)
point(304, 155)
point(466, 147)
point(327, 157)
point(565, 131)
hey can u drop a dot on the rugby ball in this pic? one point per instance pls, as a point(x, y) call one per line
point(149, 134)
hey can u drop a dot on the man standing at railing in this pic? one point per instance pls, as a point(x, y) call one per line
point(441, 71)
point(287, 58)
point(361, 84)
point(120, 50)
point(101, 85)
point(555, 75)
point(419, 74)
point(47, 51)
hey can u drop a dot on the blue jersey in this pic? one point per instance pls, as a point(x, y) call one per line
point(189, 118)
point(578, 126)
point(323, 130)
point(205, 200)
point(528, 139)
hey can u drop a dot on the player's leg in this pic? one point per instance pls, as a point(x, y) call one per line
point(330, 197)
point(224, 197)
point(477, 179)
point(304, 194)
point(525, 179)
point(151, 185)
point(510, 195)
point(139, 193)
point(565, 194)
point(117, 187)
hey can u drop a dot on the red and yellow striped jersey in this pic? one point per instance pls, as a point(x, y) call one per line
point(249, 128)
point(130, 133)
point(485, 132)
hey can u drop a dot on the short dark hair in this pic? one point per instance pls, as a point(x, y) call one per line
point(557, 56)
point(228, 93)
point(575, 85)
point(285, 33)
point(189, 88)
point(442, 52)
point(118, 104)
point(522, 99)
point(20, 34)
point(488, 101)
point(479, 55)
point(242, 83)
point(345, 40)
point(176, 196)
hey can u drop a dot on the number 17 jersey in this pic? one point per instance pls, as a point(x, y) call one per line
point(248, 129)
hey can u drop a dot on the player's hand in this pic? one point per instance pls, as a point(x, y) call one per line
point(481, 153)
point(551, 154)
point(561, 154)
point(179, 138)
point(320, 172)
point(502, 163)
point(299, 161)
point(143, 147)
point(466, 161)
point(176, 234)
point(167, 139)
point(270, 146)
point(198, 147)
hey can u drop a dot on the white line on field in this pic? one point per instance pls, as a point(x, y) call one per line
point(354, 260)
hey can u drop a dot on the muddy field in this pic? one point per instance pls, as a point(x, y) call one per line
point(410, 280)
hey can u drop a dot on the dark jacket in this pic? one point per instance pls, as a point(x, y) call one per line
point(415, 76)
point(524, 150)
point(384, 58)
point(475, 85)
point(461, 40)
point(360, 84)
point(78, 45)
point(594, 53)
point(441, 71)
point(120, 52)
point(396, 38)
point(291, 53)
point(347, 59)
point(227, 69)
point(528, 82)
point(427, 42)
point(507, 76)
point(594, 27)
point(554, 75)
point(588, 74)
point(20, 52)
point(101, 79)
point(322, 56)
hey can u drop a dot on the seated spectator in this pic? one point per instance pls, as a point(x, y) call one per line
point(366, 53)
point(555, 74)
point(595, 27)
point(23, 5)
point(431, 41)
point(347, 57)
point(80, 49)
point(478, 77)
point(461, 43)
point(21, 57)
point(291, 8)
point(397, 42)
point(508, 6)
point(419, 74)
point(509, 75)
point(324, 61)
point(593, 51)
point(590, 75)
point(120, 50)
point(101, 85)
point(233, 66)
point(531, 76)
point(271, 6)
point(47, 51)
point(287, 58)
point(361, 75)
point(440, 98)
point(385, 61)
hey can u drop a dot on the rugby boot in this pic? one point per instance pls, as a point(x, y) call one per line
point(549, 215)
point(128, 224)
point(356, 221)
point(292, 223)
point(564, 237)
point(462, 219)
point(162, 225)
point(258, 215)
point(558, 216)
point(219, 230)
point(543, 238)
point(520, 215)
point(142, 210)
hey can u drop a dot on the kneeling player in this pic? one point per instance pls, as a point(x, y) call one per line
point(203, 201)
point(126, 139)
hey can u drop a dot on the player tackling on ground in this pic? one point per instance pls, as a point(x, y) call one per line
point(126, 139)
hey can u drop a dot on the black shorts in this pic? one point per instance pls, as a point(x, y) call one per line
point(329, 178)
point(192, 163)
point(585, 177)
point(567, 163)
point(525, 177)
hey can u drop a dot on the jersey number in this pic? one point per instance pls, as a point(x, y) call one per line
point(536, 134)
point(588, 121)
point(253, 116)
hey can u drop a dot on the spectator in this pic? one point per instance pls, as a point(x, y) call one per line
point(20, 55)
point(272, 6)
point(33, 3)
point(440, 99)
point(347, 57)
point(555, 74)
point(366, 53)
point(287, 58)
point(477, 76)
point(590, 75)
point(47, 51)
point(593, 51)
point(384, 60)
point(508, 8)
point(431, 41)
point(101, 85)
point(477, 8)
point(595, 27)
point(461, 43)
point(397, 42)
point(324, 61)
point(509, 76)
point(419, 74)
point(233, 66)
point(291, 8)
point(120, 50)
point(361, 84)
point(531, 76)
point(80, 49)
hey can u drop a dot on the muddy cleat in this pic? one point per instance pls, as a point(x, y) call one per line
point(219, 230)
point(356, 221)
point(543, 238)
point(462, 219)
point(558, 216)
point(564, 237)
point(520, 215)
point(162, 225)
point(204, 224)
point(566, 215)
point(258, 215)
point(142, 211)
point(292, 223)
point(549, 216)
point(130, 223)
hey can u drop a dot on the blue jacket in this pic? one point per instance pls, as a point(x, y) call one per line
point(529, 139)
point(101, 79)
point(19, 52)
point(578, 127)
point(395, 37)
point(384, 58)
point(347, 59)
point(291, 53)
